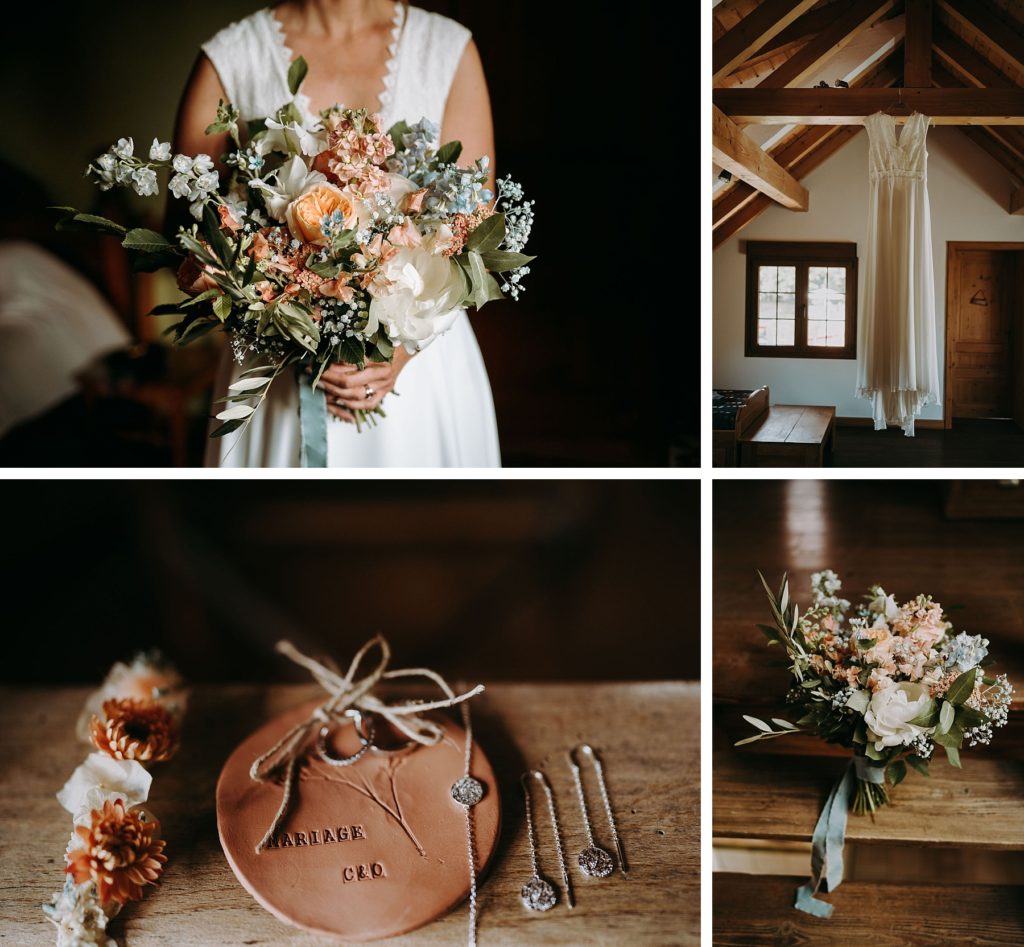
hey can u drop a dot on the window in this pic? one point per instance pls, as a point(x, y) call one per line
point(801, 299)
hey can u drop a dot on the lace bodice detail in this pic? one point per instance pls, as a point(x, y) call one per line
point(904, 156)
point(252, 60)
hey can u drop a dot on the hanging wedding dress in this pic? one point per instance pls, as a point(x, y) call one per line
point(898, 366)
point(444, 415)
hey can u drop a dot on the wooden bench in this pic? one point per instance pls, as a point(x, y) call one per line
point(752, 909)
point(790, 436)
point(725, 440)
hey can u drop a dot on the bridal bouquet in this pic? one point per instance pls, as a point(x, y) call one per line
point(889, 681)
point(334, 240)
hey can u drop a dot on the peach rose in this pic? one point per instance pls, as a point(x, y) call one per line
point(194, 277)
point(306, 212)
point(413, 203)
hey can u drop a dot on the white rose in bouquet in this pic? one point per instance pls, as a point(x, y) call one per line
point(421, 300)
point(889, 714)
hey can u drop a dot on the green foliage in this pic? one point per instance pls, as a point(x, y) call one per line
point(222, 306)
point(396, 132)
point(449, 153)
point(897, 771)
point(962, 687)
point(227, 427)
point(353, 351)
point(483, 286)
point(919, 764)
point(74, 221)
point(953, 754)
point(145, 241)
point(296, 73)
point(220, 245)
point(488, 234)
point(501, 261)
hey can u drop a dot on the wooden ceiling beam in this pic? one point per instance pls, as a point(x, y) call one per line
point(851, 106)
point(849, 20)
point(979, 17)
point(745, 159)
point(741, 203)
point(805, 28)
point(1017, 201)
point(917, 47)
point(964, 61)
point(752, 32)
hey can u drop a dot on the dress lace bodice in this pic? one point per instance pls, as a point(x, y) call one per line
point(252, 60)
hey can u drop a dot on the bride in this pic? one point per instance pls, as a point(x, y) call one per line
point(406, 64)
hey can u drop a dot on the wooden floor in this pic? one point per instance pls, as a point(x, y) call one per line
point(891, 532)
point(971, 442)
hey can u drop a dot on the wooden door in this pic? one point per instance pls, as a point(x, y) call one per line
point(981, 311)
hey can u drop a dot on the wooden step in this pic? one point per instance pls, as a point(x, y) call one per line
point(780, 798)
point(753, 909)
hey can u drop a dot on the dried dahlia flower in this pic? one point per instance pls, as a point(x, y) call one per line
point(119, 852)
point(135, 730)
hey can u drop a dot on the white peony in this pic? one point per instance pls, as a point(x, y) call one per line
point(289, 182)
point(101, 778)
point(421, 302)
point(889, 714)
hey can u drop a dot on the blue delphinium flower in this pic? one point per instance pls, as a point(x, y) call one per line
point(964, 652)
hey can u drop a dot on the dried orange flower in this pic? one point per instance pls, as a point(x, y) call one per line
point(121, 853)
point(135, 730)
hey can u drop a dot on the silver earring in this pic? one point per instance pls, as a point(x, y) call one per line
point(538, 894)
point(594, 860)
point(553, 812)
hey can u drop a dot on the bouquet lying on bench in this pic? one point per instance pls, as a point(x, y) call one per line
point(892, 682)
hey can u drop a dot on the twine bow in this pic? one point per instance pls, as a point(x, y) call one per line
point(347, 691)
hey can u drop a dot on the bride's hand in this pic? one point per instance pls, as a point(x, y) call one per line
point(346, 387)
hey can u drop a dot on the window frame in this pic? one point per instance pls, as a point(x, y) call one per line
point(802, 255)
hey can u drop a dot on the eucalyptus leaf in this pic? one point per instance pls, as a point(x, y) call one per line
point(785, 724)
point(218, 242)
point(760, 724)
point(953, 755)
point(236, 413)
point(858, 700)
point(227, 428)
point(897, 772)
point(248, 384)
point(919, 764)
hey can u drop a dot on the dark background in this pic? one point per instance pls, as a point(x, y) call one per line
point(483, 581)
point(583, 369)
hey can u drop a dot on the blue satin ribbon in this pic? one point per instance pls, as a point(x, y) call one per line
point(312, 421)
point(830, 835)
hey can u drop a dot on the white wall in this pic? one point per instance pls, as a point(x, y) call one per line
point(969, 193)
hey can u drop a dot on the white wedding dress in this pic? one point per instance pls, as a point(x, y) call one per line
point(443, 415)
point(898, 368)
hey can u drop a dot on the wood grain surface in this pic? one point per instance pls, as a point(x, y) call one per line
point(779, 798)
point(751, 910)
point(648, 736)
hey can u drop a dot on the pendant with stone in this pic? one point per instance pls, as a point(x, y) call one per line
point(467, 791)
point(596, 862)
point(538, 895)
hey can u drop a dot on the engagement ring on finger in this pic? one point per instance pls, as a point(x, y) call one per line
point(369, 392)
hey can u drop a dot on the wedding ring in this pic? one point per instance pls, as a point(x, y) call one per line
point(364, 730)
point(369, 392)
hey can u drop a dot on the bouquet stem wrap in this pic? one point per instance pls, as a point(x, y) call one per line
point(312, 421)
point(830, 836)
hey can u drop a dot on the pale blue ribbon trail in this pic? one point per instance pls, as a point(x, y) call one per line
point(312, 421)
point(830, 834)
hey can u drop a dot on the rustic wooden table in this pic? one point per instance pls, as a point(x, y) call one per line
point(647, 733)
point(790, 436)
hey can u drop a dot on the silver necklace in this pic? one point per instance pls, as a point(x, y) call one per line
point(467, 791)
point(594, 860)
